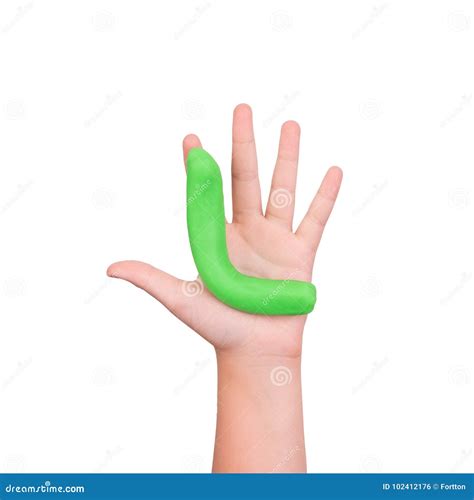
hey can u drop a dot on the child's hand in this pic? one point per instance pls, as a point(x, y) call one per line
point(260, 415)
point(259, 244)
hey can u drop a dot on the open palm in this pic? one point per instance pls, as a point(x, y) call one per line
point(262, 245)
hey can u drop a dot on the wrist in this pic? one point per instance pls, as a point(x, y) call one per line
point(260, 414)
point(270, 385)
point(260, 369)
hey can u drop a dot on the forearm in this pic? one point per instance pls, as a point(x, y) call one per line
point(259, 415)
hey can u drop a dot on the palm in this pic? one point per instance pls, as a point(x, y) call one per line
point(259, 245)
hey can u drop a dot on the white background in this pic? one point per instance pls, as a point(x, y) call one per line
point(95, 98)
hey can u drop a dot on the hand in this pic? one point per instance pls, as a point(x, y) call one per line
point(260, 413)
point(259, 244)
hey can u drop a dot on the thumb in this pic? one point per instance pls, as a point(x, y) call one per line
point(178, 296)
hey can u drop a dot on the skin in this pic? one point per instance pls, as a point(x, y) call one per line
point(260, 417)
